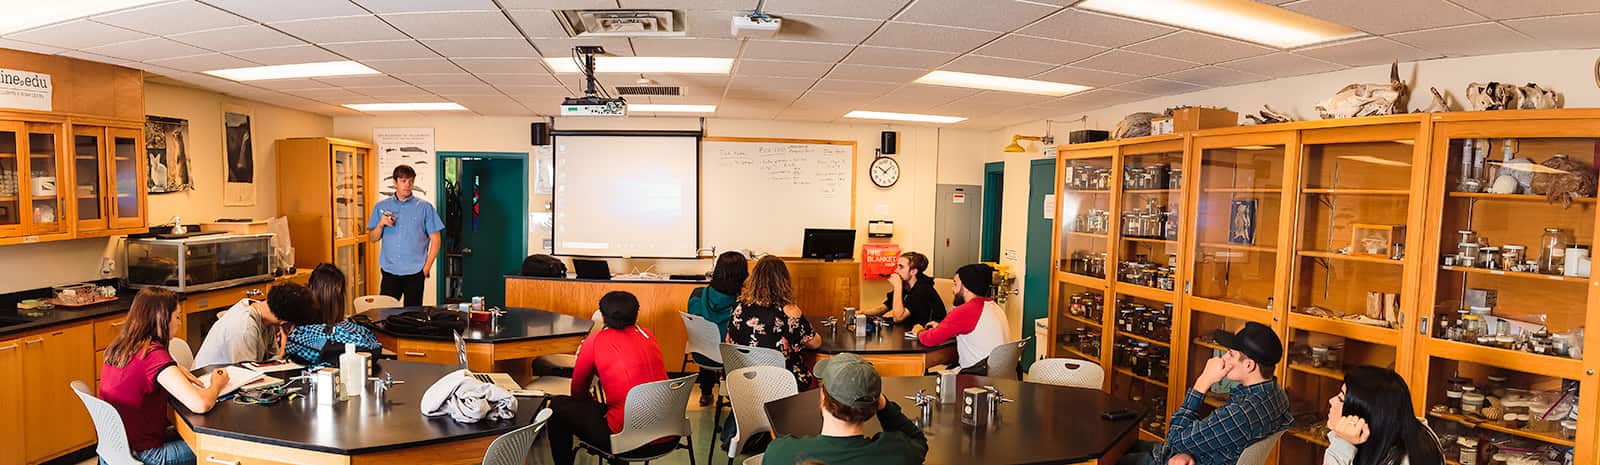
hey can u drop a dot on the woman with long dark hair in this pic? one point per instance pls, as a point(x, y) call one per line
point(1371, 422)
point(139, 376)
point(715, 303)
point(767, 317)
point(308, 343)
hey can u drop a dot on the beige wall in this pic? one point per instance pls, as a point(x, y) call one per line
point(42, 265)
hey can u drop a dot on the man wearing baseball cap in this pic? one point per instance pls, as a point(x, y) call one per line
point(1256, 408)
point(852, 392)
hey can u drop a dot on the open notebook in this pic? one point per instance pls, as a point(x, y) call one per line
point(241, 378)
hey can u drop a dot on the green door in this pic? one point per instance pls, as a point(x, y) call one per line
point(1036, 280)
point(490, 234)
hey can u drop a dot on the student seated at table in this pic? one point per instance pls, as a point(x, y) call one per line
point(715, 303)
point(306, 342)
point(911, 299)
point(1370, 422)
point(1255, 409)
point(139, 376)
point(976, 323)
point(766, 316)
point(622, 355)
point(254, 330)
point(852, 393)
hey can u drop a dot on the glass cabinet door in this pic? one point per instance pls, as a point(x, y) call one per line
point(350, 259)
point(349, 202)
point(88, 164)
point(1084, 204)
point(12, 179)
point(127, 169)
point(1147, 229)
point(48, 195)
point(1236, 223)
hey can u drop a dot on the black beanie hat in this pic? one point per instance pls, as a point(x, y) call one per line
point(977, 278)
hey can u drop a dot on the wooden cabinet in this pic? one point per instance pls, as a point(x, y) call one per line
point(11, 402)
point(53, 417)
point(109, 180)
point(328, 206)
point(32, 180)
point(63, 179)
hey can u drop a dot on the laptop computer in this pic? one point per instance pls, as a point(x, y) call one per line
point(591, 269)
point(498, 379)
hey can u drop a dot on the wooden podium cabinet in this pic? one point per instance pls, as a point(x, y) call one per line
point(326, 196)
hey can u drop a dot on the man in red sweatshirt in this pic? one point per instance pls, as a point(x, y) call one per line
point(977, 323)
point(622, 355)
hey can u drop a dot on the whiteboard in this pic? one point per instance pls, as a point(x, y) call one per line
point(761, 194)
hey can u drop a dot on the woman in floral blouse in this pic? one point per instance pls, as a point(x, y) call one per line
point(766, 316)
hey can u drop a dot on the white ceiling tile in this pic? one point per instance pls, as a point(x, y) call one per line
point(872, 9)
point(153, 48)
point(688, 99)
point(78, 34)
point(996, 66)
point(382, 50)
point(710, 24)
point(30, 47)
point(1199, 48)
point(537, 103)
point(826, 29)
point(1018, 47)
point(757, 82)
point(747, 109)
point(291, 84)
point(935, 95)
point(688, 4)
point(324, 94)
point(1476, 39)
point(1008, 98)
point(207, 62)
point(414, 6)
point(526, 79)
point(288, 10)
point(1367, 51)
point(1122, 61)
point(405, 92)
point(478, 90)
point(899, 105)
point(82, 55)
point(1282, 64)
point(901, 57)
point(538, 23)
point(949, 39)
point(425, 79)
point(483, 48)
point(853, 87)
point(973, 106)
point(763, 94)
point(794, 51)
point(1094, 28)
point(230, 39)
point(501, 65)
point(1214, 76)
point(352, 99)
point(686, 47)
point(1096, 97)
point(362, 81)
point(1573, 31)
point(341, 29)
point(503, 109)
point(172, 18)
point(454, 24)
point(875, 73)
point(1387, 16)
point(535, 91)
point(563, 47)
point(416, 66)
point(1157, 86)
point(287, 55)
point(1084, 76)
point(994, 15)
point(1506, 9)
point(776, 68)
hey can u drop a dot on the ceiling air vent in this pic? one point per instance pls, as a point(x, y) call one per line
point(636, 23)
point(649, 90)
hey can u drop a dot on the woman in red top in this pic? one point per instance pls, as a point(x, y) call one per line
point(622, 355)
point(139, 377)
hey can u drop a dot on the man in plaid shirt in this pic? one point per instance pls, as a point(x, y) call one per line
point(1256, 408)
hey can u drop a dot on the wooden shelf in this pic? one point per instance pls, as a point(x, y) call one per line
point(1150, 240)
point(1129, 373)
point(1151, 191)
point(1231, 310)
point(1511, 197)
point(1491, 426)
point(1072, 351)
point(1360, 332)
point(1082, 280)
point(1354, 258)
point(1558, 367)
point(1516, 274)
point(1085, 191)
point(87, 157)
point(1148, 435)
point(8, 199)
point(1243, 247)
point(1145, 292)
point(1305, 367)
point(1306, 436)
point(1084, 234)
point(1337, 191)
point(1242, 190)
point(1209, 345)
point(1080, 319)
point(1137, 337)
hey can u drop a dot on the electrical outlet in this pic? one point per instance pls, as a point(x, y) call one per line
point(107, 266)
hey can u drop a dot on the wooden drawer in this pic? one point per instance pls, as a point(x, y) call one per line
point(106, 329)
point(231, 457)
point(426, 352)
point(223, 298)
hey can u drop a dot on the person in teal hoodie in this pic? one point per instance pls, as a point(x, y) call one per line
point(715, 302)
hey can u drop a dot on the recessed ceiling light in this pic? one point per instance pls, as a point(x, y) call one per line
point(1240, 19)
point(662, 108)
point(36, 14)
point(301, 70)
point(678, 65)
point(863, 114)
point(421, 106)
point(1000, 83)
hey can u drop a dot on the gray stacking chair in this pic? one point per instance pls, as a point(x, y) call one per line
point(704, 340)
point(1257, 453)
point(1068, 372)
point(512, 448)
point(736, 356)
point(181, 353)
point(750, 389)
point(654, 410)
point(113, 446)
point(1003, 359)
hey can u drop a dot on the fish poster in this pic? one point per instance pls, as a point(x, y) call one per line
point(406, 146)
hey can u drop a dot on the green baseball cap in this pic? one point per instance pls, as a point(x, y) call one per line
point(851, 380)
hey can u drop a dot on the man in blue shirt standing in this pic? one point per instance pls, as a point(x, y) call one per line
point(409, 228)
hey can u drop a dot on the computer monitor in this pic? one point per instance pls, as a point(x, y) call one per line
point(830, 244)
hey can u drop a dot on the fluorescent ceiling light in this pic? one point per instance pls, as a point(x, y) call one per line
point(678, 65)
point(1000, 83)
point(301, 70)
point(1240, 19)
point(661, 108)
point(422, 106)
point(35, 14)
point(863, 114)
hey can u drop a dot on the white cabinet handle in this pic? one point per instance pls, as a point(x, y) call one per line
point(119, 323)
point(253, 293)
point(214, 459)
point(415, 354)
point(9, 347)
point(33, 341)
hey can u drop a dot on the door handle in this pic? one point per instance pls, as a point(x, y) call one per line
point(466, 250)
point(214, 459)
point(414, 354)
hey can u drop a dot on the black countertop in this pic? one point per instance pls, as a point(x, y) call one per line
point(356, 426)
point(574, 277)
point(517, 324)
point(1045, 424)
point(888, 340)
point(58, 316)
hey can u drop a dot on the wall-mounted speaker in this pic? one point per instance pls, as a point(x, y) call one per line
point(541, 133)
point(886, 144)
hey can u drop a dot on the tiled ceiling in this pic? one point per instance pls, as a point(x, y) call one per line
point(831, 56)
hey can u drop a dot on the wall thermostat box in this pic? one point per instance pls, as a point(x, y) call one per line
point(880, 228)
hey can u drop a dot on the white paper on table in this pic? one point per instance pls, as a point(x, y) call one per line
point(237, 377)
point(274, 367)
